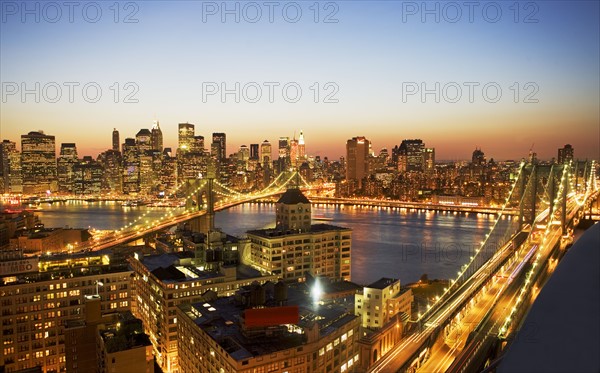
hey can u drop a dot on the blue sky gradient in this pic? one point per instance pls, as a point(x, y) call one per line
point(369, 53)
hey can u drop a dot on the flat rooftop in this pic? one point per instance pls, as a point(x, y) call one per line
point(314, 228)
point(382, 283)
point(177, 267)
point(221, 320)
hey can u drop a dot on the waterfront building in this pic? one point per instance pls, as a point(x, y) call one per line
point(38, 163)
point(10, 168)
point(357, 159)
point(296, 246)
point(66, 161)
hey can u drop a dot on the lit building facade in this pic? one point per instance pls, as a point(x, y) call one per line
point(10, 162)
point(265, 154)
point(381, 301)
point(38, 163)
point(37, 303)
point(66, 161)
point(296, 246)
point(162, 282)
point(357, 159)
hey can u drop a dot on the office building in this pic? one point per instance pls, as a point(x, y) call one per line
point(66, 161)
point(131, 167)
point(411, 155)
point(296, 247)
point(357, 159)
point(38, 163)
point(219, 139)
point(254, 152)
point(265, 154)
point(267, 328)
point(116, 142)
point(87, 177)
point(10, 167)
point(112, 177)
point(186, 137)
point(156, 138)
point(301, 147)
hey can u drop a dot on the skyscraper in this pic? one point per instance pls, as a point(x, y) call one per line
point(284, 149)
point(357, 156)
point(131, 167)
point(265, 154)
point(115, 140)
point(294, 152)
point(478, 157)
point(156, 137)
point(411, 155)
point(143, 140)
point(186, 137)
point(254, 152)
point(66, 161)
point(565, 154)
point(220, 139)
point(301, 147)
point(38, 163)
point(10, 159)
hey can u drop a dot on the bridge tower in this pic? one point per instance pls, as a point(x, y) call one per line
point(203, 193)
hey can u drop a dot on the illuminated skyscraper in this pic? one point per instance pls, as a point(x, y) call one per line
point(284, 147)
point(186, 137)
point(66, 161)
point(115, 140)
point(301, 147)
point(219, 139)
point(143, 140)
point(357, 156)
point(131, 167)
point(265, 154)
point(156, 138)
point(38, 162)
point(294, 152)
point(10, 159)
point(411, 155)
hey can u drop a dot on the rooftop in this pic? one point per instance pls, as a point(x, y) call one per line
point(292, 197)
point(220, 319)
point(382, 283)
point(178, 267)
point(314, 228)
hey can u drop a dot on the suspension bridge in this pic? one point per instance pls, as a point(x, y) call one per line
point(501, 277)
point(203, 197)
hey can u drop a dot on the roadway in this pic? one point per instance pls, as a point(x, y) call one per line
point(398, 356)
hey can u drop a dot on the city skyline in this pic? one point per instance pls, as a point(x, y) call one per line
point(157, 72)
point(232, 149)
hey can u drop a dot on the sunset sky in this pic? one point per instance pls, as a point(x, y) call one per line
point(369, 54)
